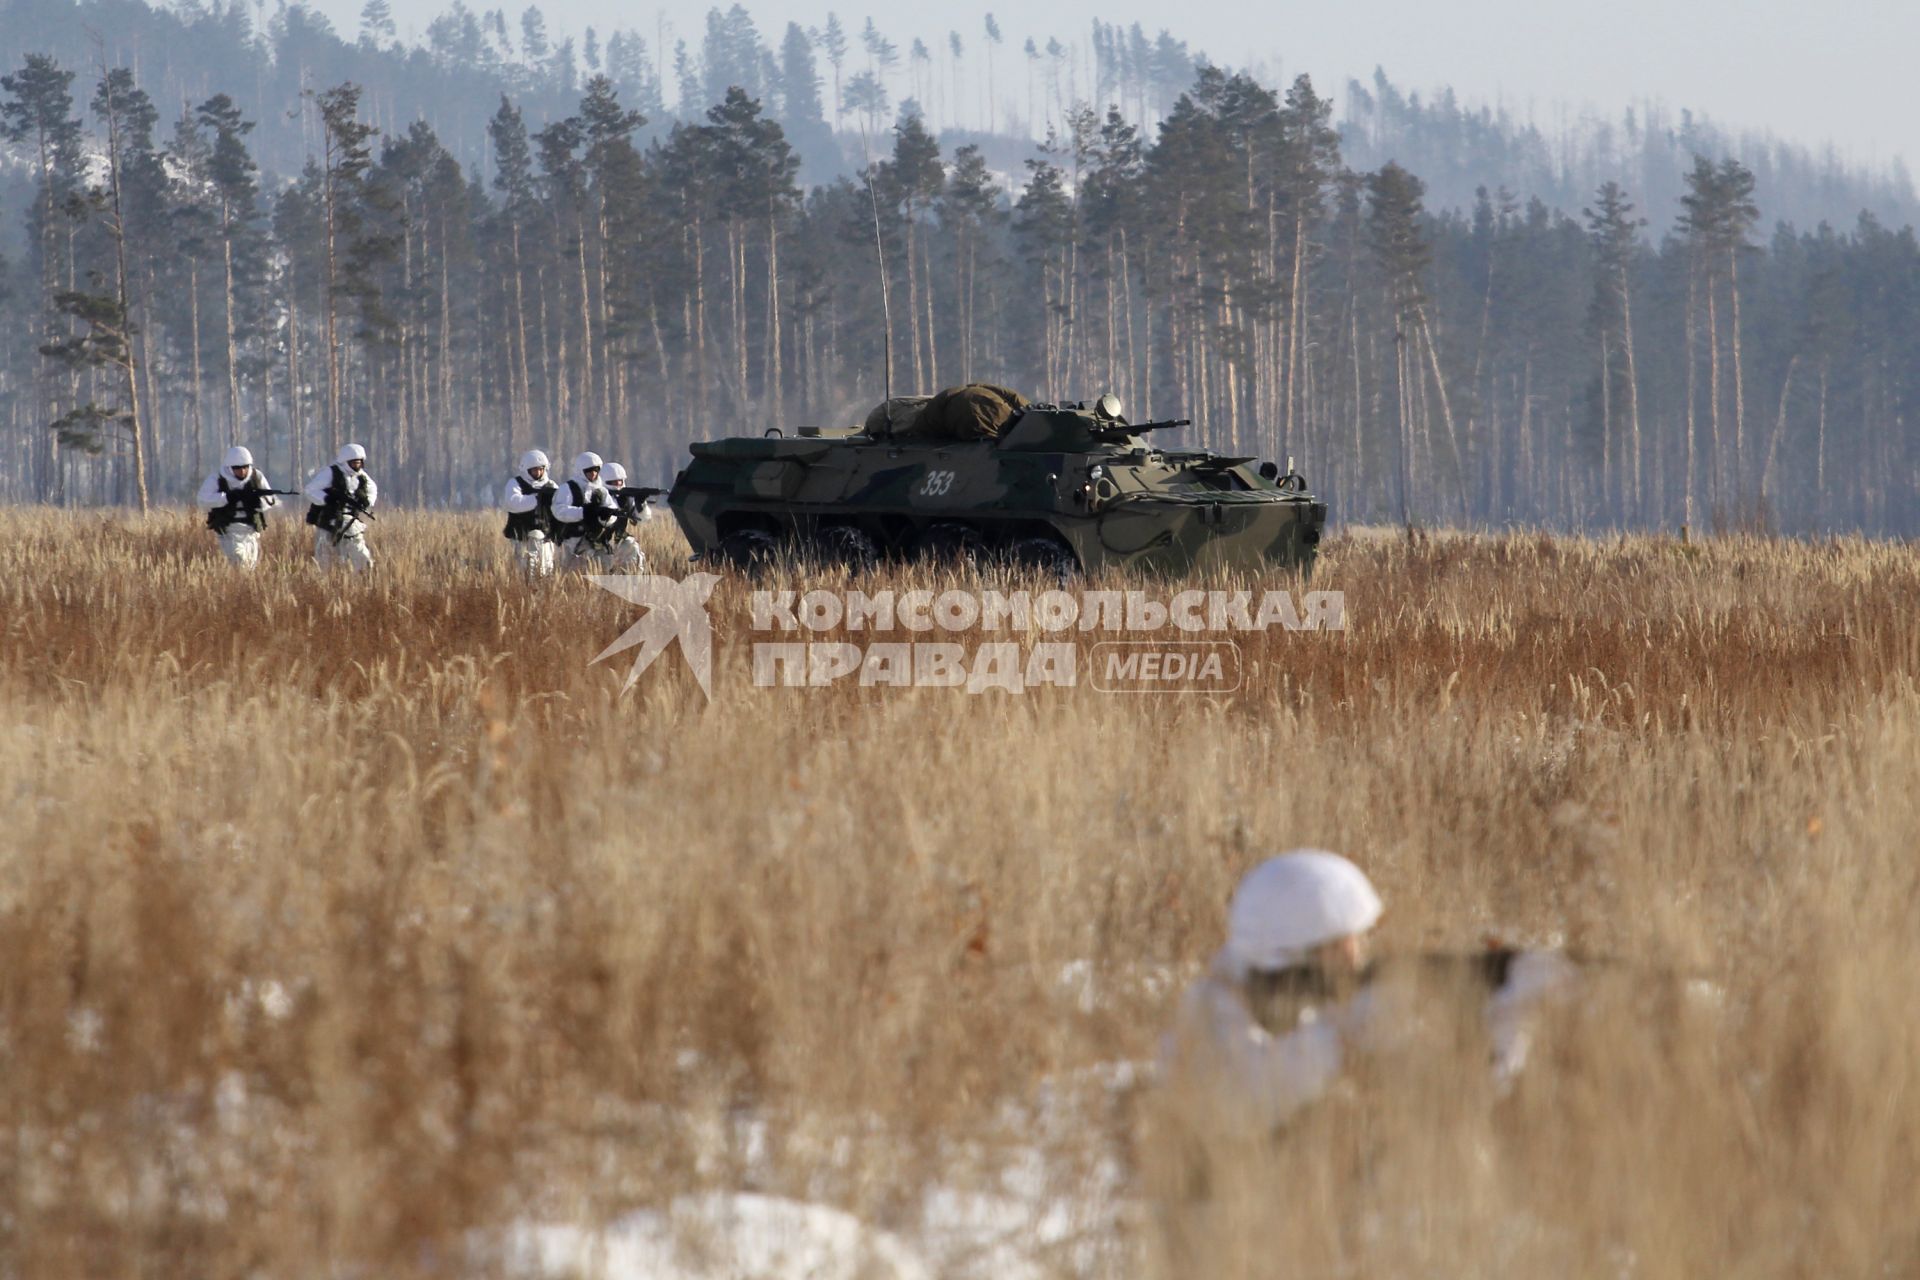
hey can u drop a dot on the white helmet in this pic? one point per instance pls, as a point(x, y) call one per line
point(582, 463)
point(613, 473)
point(238, 456)
point(1288, 905)
point(348, 453)
point(530, 459)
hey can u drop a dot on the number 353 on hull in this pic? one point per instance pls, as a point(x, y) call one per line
point(1061, 488)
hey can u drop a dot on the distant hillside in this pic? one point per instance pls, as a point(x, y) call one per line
point(265, 58)
point(1458, 150)
point(219, 227)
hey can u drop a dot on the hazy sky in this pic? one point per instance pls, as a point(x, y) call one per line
point(1834, 72)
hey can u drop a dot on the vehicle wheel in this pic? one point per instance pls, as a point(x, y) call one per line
point(747, 551)
point(842, 545)
point(947, 543)
point(1043, 556)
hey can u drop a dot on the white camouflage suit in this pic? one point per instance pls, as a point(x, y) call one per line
point(349, 546)
point(572, 504)
point(626, 556)
point(1262, 1077)
point(239, 541)
point(533, 550)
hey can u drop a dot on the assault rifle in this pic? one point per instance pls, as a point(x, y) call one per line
point(629, 499)
point(339, 516)
point(599, 524)
point(251, 497)
point(634, 494)
point(1274, 996)
point(247, 502)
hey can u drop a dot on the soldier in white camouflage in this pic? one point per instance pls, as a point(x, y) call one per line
point(236, 498)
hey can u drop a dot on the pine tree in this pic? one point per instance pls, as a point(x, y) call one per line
point(106, 309)
point(533, 36)
point(348, 154)
point(39, 113)
point(910, 182)
point(994, 38)
point(1044, 222)
point(867, 97)
point(1309, 157)
point(969, 209)
point(1402, 255)
point(833, 39)
point(376, 24)
point(230, 169)
point(804, 114)
point(1615, 234)
point(731, 54)
point(618, 196)
point(513, 178)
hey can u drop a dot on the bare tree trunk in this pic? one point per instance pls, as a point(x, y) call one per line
point(1820, 450)
point(1739, 383)
point(775, 374)
point(1779, 428)
point(1606, 413)
point(193, 336)
point(933, 344)
point(1126, 304)
point(1633, 390)
point(586, 324)
point(295, 415)
point(328, 199)
point(1693, 396)
point(233, 359)
point(129, 361)
point(1402, 409)
point(699, 316)
point(523, 403)
point(446, 374)
point(913, 309)
point(1713, 393)
point(1446, 405)
point(1296, 317)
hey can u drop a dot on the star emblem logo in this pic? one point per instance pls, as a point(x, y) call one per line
point(676, 615)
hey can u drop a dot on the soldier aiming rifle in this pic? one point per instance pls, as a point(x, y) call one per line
point(623, 550)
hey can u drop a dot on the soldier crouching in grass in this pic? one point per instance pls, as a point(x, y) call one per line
point(1270, 1048)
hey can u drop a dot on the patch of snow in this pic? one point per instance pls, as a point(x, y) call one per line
point(719, 1236)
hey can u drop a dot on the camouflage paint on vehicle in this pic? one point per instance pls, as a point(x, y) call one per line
point(1063, 476)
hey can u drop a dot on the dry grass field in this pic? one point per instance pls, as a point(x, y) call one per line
point(347, 925)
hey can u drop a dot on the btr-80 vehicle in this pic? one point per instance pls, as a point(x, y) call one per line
point(977, 473)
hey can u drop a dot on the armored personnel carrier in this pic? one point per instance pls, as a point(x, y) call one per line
point(978, 473)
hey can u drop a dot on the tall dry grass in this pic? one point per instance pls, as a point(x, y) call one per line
point(342, 921)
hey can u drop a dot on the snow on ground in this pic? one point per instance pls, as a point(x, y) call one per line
point(739, 1236)
point(1034, 1217)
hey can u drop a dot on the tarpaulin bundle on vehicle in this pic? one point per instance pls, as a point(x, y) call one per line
point(977, 411)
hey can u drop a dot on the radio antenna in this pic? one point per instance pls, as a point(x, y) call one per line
point(886, 307)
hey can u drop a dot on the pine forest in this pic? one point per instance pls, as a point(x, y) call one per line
point(224, 223)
